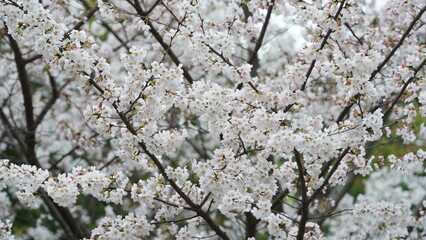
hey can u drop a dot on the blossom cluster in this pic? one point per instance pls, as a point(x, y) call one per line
point(193, 116)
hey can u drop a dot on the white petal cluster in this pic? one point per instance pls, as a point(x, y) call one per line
point(373, 124)
point(27, 179)
point(62, 189)
point(130, 227)
point(5, 230)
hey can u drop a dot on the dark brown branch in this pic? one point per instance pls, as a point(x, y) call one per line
point(123, 43)
point(63, 157)
point(337, 195)
point(312, 65)
point(170, 52)
point(250, 225)
point(324, 41)
point(240, 85)
point(82, 21)
point(254, 60)
point(171, 204)
point(353, 33)
point(226, 60)
point(11, 129)
point(276, 201)
point(404, 87)
point(330, 174)
point(195, 207)
point(331, 214)
point(203, 154)
point(185, 197)
point(399, 44)
point(175, 221)
point(108, 163)
point(52, 100)
point(143, 15)
point(62, 215)
point(304, 210)
point(28, 103)
point(147, 12)
point(389, 56)
point(205, 199)
point(32, 59)
point(347, 109)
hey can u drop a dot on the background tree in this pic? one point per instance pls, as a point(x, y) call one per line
point(159, 119)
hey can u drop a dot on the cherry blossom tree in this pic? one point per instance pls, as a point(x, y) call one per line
point(228, 119)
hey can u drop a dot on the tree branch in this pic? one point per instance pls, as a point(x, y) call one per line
point(304, 210)
point(55, 95)
point(324, 41)
point(399, 44)
point(195, 207)
point(62, 215)
point(254, 60)
point(404, 87)
point(143, 15)
point(330, 174)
